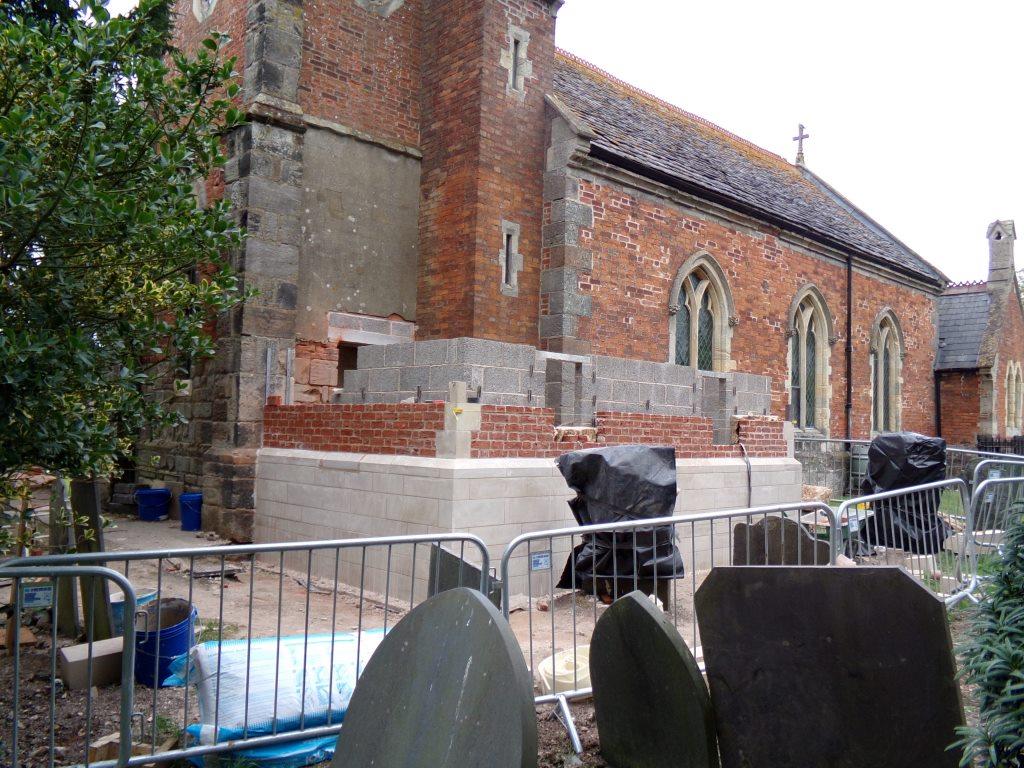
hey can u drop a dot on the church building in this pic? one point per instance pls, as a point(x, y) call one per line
point(440, 203)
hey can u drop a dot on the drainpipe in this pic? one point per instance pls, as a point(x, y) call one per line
point(938, 404)
point(849, 346)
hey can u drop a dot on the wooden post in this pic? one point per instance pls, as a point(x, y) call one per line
point(85, 503)
point(14, 624)
point(65, 606)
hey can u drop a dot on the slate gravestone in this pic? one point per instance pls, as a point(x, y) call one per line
point(449, 570)
point(652, 707)
point(838, 667)
point(777, 541)
point(448, 687)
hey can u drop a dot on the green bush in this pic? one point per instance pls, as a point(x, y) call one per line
point(993, 663)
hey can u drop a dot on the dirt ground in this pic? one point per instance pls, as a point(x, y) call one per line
point(283, 602)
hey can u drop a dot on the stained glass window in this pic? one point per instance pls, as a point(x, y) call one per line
point(795, 392)
point(887, 389)
point(683, 333)
point(807, 365)
point(705, 336)
point(699, 322)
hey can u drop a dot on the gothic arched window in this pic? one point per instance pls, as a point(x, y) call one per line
point(809, 340)
point(886, 368)
point(700, 312)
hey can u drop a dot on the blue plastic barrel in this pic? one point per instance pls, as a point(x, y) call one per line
point(191, 506)
point(169, 623)
point(152, 503)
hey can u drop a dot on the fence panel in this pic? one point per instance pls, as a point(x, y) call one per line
point(839, 465)
point(995, 469)
point(553, 611)
point(35, 589)
point(995, 501)
point(273, 620)
point(926, 529)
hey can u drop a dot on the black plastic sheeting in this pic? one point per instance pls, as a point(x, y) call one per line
point(627, 482)
point(911, 523)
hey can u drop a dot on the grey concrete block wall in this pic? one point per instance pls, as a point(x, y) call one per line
point(500, 373)
point(575, 386)
point(641, 386)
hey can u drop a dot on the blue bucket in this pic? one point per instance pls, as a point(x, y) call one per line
point(152, 503)
point(169, 622)
point(191, 506)
point(142, 597)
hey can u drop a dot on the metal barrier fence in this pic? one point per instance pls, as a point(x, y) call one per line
point(704, 541)
point(255, 595)
point(927, 529)
point(841, 465)
point(44, 662)
point(996, 468)
point(260, 593)
point(995, 501)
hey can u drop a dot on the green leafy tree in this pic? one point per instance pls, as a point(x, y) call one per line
point(993, 663)
point(104, 134)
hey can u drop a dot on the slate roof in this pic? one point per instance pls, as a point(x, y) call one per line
point(963, 320)
point(634, 128)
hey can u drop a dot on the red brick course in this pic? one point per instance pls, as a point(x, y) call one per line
point(408, 429)
point(505, 431)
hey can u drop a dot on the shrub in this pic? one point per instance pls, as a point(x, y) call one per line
point(993, 663)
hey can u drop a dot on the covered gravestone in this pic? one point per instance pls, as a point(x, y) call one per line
point(448, 687)
point(837, 667)
point(777, 541)
point(652, 706)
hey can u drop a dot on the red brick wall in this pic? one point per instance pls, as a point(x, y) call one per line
point(960, 395)
point(523, 432)
point(362, 70)
point(228, 16)
point(483, 162)
point(639, 244)
point(505, 431)
point(405, 429)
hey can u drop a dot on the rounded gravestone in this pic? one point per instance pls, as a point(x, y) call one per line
point(448, 687)
point(652, 707)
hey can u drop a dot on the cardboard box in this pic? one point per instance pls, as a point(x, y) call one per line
point(106, 664)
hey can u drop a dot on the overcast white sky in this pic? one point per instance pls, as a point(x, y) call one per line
point(913, 106)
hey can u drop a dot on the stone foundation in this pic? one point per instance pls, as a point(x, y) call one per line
point(309, 495)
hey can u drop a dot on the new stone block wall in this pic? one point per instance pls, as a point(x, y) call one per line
point(309, 496)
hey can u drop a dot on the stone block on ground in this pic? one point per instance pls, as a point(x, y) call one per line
point(652, 706)
point(447, 688)
point(838, 667)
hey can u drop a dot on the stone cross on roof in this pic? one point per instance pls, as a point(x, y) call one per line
point(800, 147)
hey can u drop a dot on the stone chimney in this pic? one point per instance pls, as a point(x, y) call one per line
point(1002, 284)
point(1001, 235)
